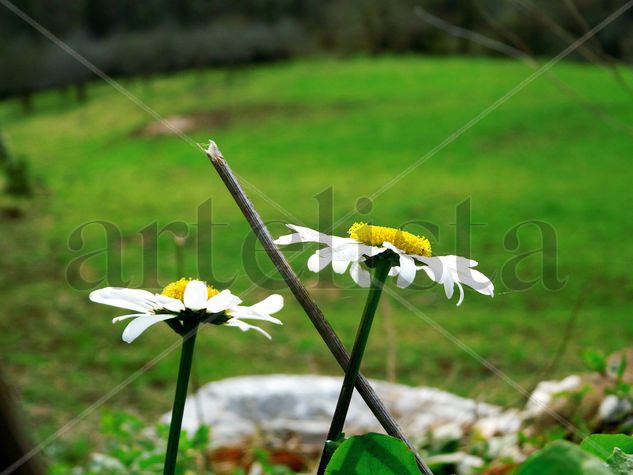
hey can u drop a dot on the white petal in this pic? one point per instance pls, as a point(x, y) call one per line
point(438, 273)
point(131, 299)
point(168, 303)
point(348, 252)
point(220, 302)
point(449, 285)
point(196, 295)
point(311, 235)
point(395, 249)
point(461, 262)
point(450, 261)
point(461, 292)
point(125, 317)
point(354, 251)
point(394, 271)
point(340, 266)
point(245, 313)
point(320, 259)
point(288, 239)
point(271, 304)
point(140, 324)
point(437, 269)
point(359, 275)
point(406, 274)
point(429, 272)
point(456, 270)
point(476, 280)
point(307, 234)
point(234, 322)
point(304, 234)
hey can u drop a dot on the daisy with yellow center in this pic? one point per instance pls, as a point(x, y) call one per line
point(185, 304)
point(176, 290)
point(407, 253)
point(377, 235)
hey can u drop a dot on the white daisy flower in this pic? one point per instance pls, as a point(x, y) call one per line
point(366, 243)
point(183, 305)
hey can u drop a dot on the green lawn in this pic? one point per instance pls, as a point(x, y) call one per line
point(293, 131)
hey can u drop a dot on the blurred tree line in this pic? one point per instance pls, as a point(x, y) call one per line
point(143, 38)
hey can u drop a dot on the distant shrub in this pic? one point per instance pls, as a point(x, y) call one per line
point(167, 49)
point(153, 38)
point(17, 187)
point(29, 66)
point(19, 178)
point(61, 69)
point(21, 70)
point(18, 181)
point(379, 26)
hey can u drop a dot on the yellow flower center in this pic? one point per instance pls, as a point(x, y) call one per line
point(376, 235)
point(176, 290)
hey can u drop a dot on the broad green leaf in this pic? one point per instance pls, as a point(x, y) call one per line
point(374, 454)
point(620, 462)
point(602, 445)
point(563, 458)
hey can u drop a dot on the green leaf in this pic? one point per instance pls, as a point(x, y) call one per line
point(621, 367)
point(595, 361)
point(562, 457)
point(372, 453)
point(620, 462)
point(602, 445)
point(333, 445)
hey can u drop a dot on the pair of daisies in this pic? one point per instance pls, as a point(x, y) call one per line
point(186, 303)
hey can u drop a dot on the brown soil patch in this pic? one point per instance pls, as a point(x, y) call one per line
point(230, 116)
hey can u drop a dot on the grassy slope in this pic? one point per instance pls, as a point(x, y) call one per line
point(297, 129)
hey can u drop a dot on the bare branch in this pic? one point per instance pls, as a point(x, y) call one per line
point(305, 300)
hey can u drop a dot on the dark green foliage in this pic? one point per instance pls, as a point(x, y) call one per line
point(130, 446)
point(145, 38)
point(5, 157)
point(19, 178)
point(18, 181)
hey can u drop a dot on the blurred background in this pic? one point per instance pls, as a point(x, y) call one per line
point(317, 105)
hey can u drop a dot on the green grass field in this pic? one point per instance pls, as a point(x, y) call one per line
point(293, 131)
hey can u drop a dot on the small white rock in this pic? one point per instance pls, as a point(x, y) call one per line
point(546, 391)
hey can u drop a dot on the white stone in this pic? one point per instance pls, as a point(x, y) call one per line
point(505, 423)
point(447, 433)
point(505, 447)
point(613, 409)
point(541, 399)
point(279, 407)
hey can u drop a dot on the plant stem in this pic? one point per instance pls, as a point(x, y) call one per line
point(305, 300)
point(347, 390)
point(186, 358)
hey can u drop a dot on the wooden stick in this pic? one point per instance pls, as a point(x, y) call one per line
point(303, 297)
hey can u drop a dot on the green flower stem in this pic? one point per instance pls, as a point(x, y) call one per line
point(186, 358)
point(347, 390)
